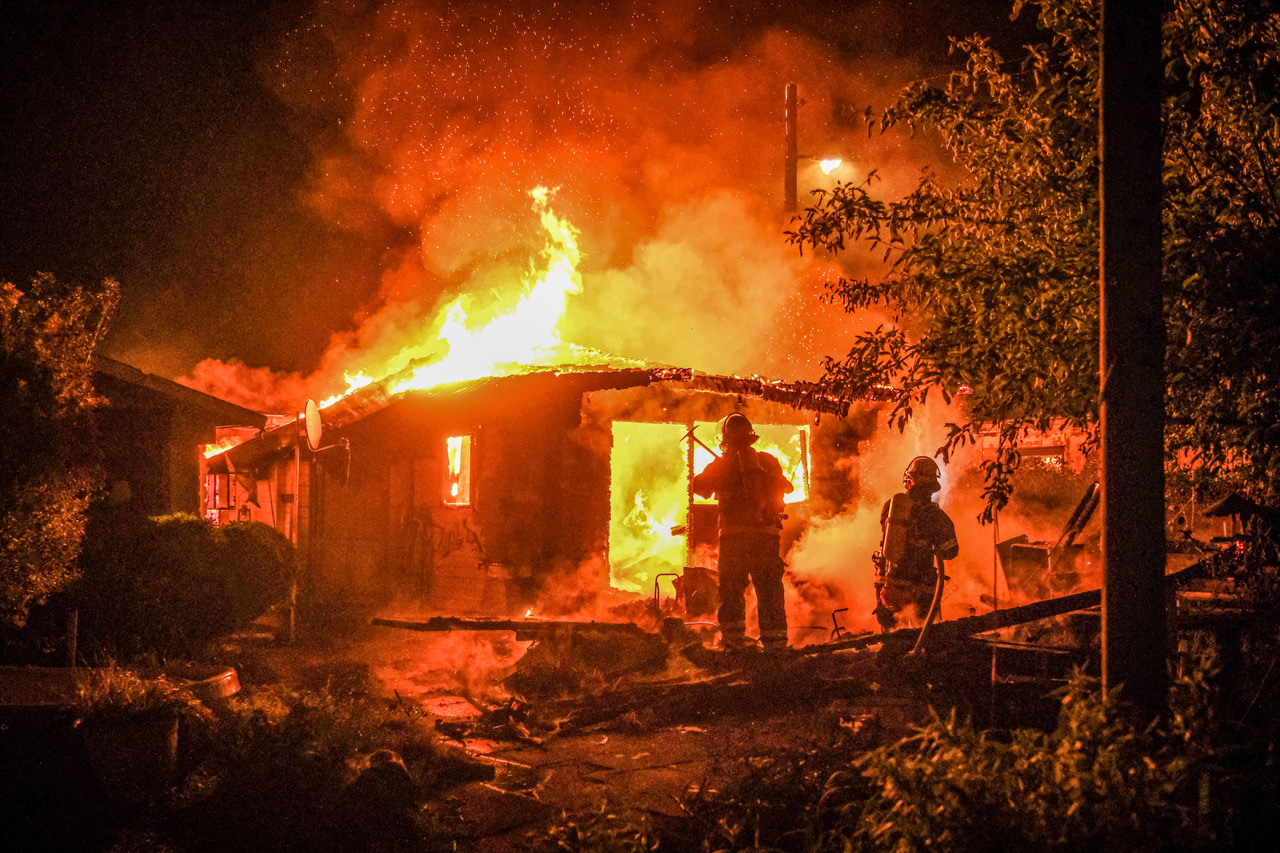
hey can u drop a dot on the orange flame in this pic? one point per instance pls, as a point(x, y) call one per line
point(220, 446)
point(649, 494)
point(355, 381)
point(526, 335)
point(523, 336)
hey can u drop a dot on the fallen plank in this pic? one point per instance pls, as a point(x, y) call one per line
point(993, 621)
point(523, 628)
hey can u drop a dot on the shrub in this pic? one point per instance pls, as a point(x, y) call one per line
point(597, 832)
point(1091, 784)
point(259, 561)
point(280, 772)
point(48, 469)
point(170, 586)
point(113, 693)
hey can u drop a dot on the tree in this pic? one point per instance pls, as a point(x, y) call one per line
point(47, 337)
point(992, 279)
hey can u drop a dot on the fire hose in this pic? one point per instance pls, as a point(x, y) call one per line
point(936, 607)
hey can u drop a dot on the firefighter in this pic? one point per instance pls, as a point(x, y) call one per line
point(749, 486)
point(916, 536)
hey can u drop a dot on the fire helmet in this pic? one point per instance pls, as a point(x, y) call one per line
point(736, 429)
point(922, 470)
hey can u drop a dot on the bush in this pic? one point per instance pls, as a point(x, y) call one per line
point(113, 693)
point(260, 562)
point(598, 832)
point(294, 770)
point(169, 587)
point(1091, 784)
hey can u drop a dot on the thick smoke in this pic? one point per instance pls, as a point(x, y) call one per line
point(660, 125)
point(830, 565)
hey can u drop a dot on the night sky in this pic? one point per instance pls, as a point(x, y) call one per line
point(206, 154)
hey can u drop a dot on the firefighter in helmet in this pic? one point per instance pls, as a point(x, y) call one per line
point(749, 486)
point(916, 536)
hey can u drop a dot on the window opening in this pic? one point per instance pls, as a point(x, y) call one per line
point(457, 485)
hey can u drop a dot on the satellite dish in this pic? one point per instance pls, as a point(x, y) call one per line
point(314, 427)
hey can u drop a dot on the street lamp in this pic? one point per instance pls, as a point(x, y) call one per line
point(792, 159)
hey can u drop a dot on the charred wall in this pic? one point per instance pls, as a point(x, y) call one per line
point(537, 498)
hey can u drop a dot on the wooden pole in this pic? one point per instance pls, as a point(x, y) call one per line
point(1134, 641)
point(791, 156)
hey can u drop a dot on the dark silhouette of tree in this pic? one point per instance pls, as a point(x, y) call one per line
point(47, 474)
point(992, 279)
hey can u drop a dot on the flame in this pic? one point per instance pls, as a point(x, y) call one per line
point(647, 524)
point(526, 335)
point(221, 446)
point(355, 381)
point(459, 470)
point(523, 336)
point(792, 452)
point(829, 166)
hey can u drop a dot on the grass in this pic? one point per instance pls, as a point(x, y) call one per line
point(118, 693)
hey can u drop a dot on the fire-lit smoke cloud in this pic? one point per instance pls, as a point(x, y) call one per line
point(659, 124)
point(830, 566)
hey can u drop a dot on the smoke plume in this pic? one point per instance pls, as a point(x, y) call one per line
point(660, 124)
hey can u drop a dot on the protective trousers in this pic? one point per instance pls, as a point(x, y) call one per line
point(752, 557)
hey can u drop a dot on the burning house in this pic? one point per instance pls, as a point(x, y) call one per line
point(540, 489)
point(496, 469)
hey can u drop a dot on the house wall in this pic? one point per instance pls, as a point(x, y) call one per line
point(538, 498)
point(149, 432)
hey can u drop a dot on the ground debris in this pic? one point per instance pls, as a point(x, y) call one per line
point(509, 722)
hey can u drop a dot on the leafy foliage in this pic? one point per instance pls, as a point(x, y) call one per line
point(282, 769)
point(47, 474)
point(603, 831)
point(991, 280)
point(170, 586)
point(1222, 227)
point(1091, 784)
point(111, 693)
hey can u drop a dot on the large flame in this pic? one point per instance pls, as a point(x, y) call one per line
point(526, 334)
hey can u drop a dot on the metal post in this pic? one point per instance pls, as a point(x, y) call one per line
point(298, 432)
point(791, 157)
point(688, 516)
point(995, 562)
point(1134, 642)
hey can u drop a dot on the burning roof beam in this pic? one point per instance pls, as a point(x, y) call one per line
point(378, 395)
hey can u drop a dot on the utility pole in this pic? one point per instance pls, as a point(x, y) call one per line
point(791, 158)
point(1134, 630)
